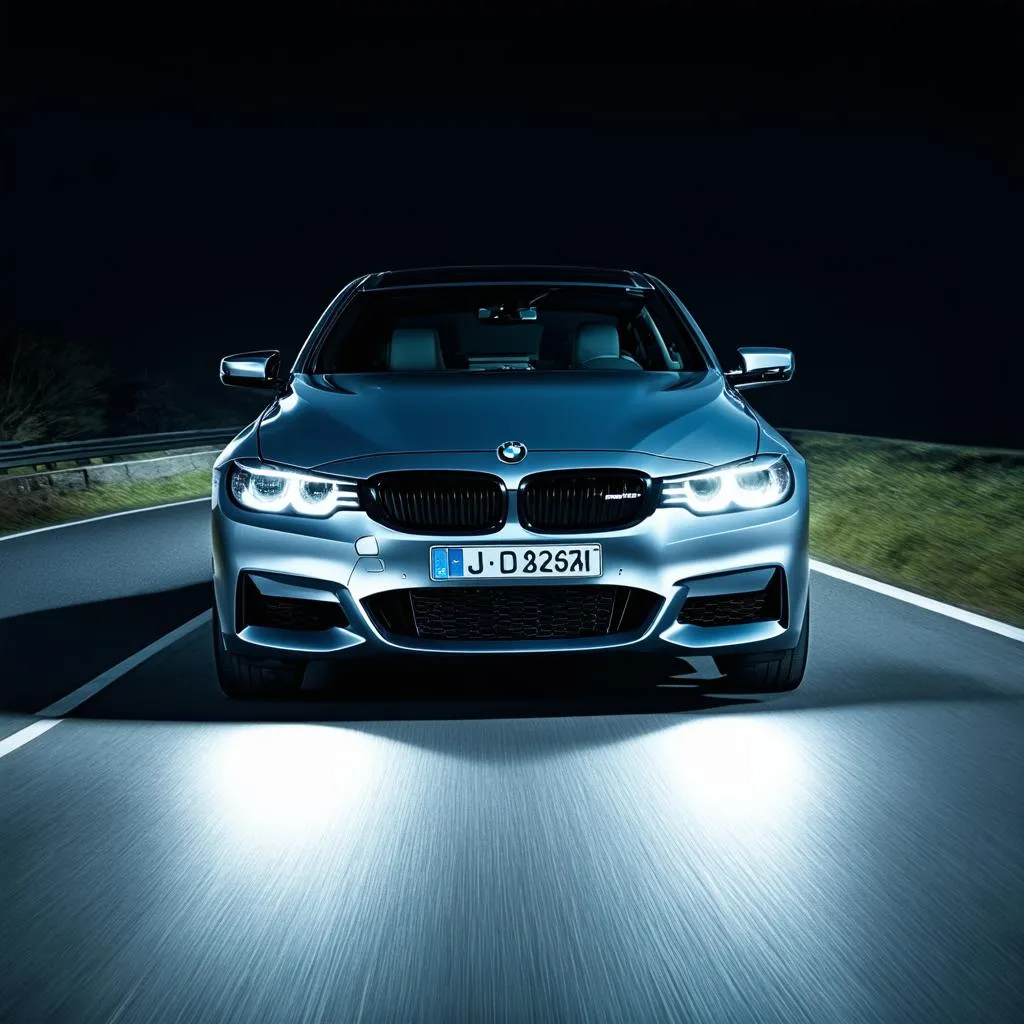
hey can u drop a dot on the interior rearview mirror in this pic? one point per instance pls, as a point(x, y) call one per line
point(762, 366)
point(252, 370)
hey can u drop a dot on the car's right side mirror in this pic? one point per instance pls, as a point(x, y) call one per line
point(252, 370)
point(762, 366)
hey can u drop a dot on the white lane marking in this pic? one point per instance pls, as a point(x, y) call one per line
point(106, 515)
point(949, 610)
point(90, 689)
point(23, 736)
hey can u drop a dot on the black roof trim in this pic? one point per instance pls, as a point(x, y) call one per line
point(433, 277)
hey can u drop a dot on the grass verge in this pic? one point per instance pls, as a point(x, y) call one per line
point(948, 524)
point(46, 508)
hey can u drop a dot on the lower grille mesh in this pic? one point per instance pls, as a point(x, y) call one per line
point(511, 613)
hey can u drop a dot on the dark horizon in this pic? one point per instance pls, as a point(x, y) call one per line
point(847, 187)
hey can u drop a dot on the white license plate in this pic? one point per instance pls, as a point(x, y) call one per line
point(542, 561)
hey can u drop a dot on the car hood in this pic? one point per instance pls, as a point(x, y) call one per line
point(689, 417)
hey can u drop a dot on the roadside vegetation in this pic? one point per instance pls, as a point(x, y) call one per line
point(55, 389)
point(945, 523)
point(45, 507)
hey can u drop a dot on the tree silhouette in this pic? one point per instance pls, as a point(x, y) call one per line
point(50, 391)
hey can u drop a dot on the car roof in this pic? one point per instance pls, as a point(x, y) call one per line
point(426, 277)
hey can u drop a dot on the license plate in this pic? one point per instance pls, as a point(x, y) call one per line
point(542, 561)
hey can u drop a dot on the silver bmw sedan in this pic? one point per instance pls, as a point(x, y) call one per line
point(479, 461)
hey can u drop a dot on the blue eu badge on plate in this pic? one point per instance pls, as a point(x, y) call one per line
point(440, 566)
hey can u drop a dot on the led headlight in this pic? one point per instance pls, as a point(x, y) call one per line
point(753, 483)
point(260, 487)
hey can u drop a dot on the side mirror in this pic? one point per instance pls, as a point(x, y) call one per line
point(252, 370)
point(762, 366)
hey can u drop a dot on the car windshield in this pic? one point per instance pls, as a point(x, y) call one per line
point(507, 328)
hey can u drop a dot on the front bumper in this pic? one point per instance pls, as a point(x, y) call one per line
point(672, 554)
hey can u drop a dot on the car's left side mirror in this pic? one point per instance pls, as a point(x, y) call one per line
point(252, 370)
point(762, 366)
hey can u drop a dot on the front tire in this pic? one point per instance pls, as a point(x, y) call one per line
point(244, 678)
point(777, 672)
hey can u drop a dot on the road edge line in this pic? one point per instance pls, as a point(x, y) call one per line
point(928, 603)
point(25, 735)
point(78, 696)
point(96, 519)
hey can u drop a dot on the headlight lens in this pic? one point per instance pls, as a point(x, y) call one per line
point(759, 482)
point(263, 488)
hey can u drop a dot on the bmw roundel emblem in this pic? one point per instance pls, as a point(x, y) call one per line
point(511, 451)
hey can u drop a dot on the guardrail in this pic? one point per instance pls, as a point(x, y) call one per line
point(15, 455)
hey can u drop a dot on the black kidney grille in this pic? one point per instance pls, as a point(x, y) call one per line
point(439, 502)
point(511, 612)
point(576, 502)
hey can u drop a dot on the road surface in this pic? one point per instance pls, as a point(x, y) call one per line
point(853, 851)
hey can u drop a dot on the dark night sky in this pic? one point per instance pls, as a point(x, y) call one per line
point(183, 184)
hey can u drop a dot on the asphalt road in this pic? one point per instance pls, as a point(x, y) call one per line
point(850, 852)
